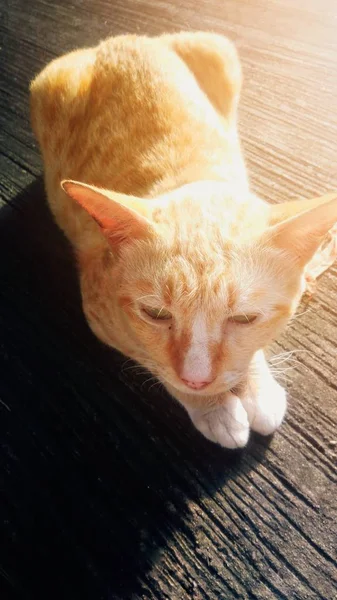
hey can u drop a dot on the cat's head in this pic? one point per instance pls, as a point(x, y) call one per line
point(204, 279)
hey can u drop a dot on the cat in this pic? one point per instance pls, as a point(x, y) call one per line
point(182, 268)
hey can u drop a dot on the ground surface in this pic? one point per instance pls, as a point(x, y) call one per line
point(106, 491)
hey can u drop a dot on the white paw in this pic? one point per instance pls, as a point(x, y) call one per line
point(226, 425)
point(268, 408)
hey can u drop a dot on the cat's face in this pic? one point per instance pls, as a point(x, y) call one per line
point(201, 305)
point(204, 280)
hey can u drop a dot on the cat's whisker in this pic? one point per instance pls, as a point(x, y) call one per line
point(146, 296)
point(158, 383)
point(304, 312)
point(279, 369)
point(137, 370)
point(133, 368)
point(126, 362)
point(291, 361)
point(140, 298)
point(286, 357)
point(280, 373)
point(147, 381)
point(282, 355)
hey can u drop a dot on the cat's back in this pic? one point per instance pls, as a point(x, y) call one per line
point(128, 89)
point(130, 115)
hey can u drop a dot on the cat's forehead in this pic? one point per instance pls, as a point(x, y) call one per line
point(197, 282)
point(208, 216)
point(235, 279)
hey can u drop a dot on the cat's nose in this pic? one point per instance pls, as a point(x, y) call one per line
point(196, 385)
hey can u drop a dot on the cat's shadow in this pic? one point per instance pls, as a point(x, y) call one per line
point(105, 468)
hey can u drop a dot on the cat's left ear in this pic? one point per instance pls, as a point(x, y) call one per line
point(115, 213)
point(300, 227)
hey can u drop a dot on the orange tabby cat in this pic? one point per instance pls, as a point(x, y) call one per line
point(182, 268)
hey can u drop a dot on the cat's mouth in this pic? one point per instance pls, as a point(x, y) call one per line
point(218, 386)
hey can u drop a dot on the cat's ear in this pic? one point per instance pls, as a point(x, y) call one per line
point(285, 210)
point(115, 213)
point(302, 225)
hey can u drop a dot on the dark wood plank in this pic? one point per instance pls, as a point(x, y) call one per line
point(106, 491)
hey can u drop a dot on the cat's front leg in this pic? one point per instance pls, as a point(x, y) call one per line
point(221, 418)
point(226, 424)
point(263, 398)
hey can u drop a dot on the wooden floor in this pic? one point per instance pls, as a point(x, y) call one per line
point(107, 492)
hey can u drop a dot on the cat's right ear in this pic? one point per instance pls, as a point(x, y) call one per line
point(114, 213)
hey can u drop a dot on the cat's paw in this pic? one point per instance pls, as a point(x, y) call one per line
point(269, 408)
point(226, 425)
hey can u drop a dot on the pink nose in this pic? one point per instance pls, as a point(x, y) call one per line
point(196, 385)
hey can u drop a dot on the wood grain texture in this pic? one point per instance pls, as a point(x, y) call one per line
point(107, 491)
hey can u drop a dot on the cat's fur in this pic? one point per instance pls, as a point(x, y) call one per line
point(153, 120)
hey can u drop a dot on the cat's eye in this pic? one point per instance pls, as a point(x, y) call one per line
point(243, 319)
point(158, 314)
